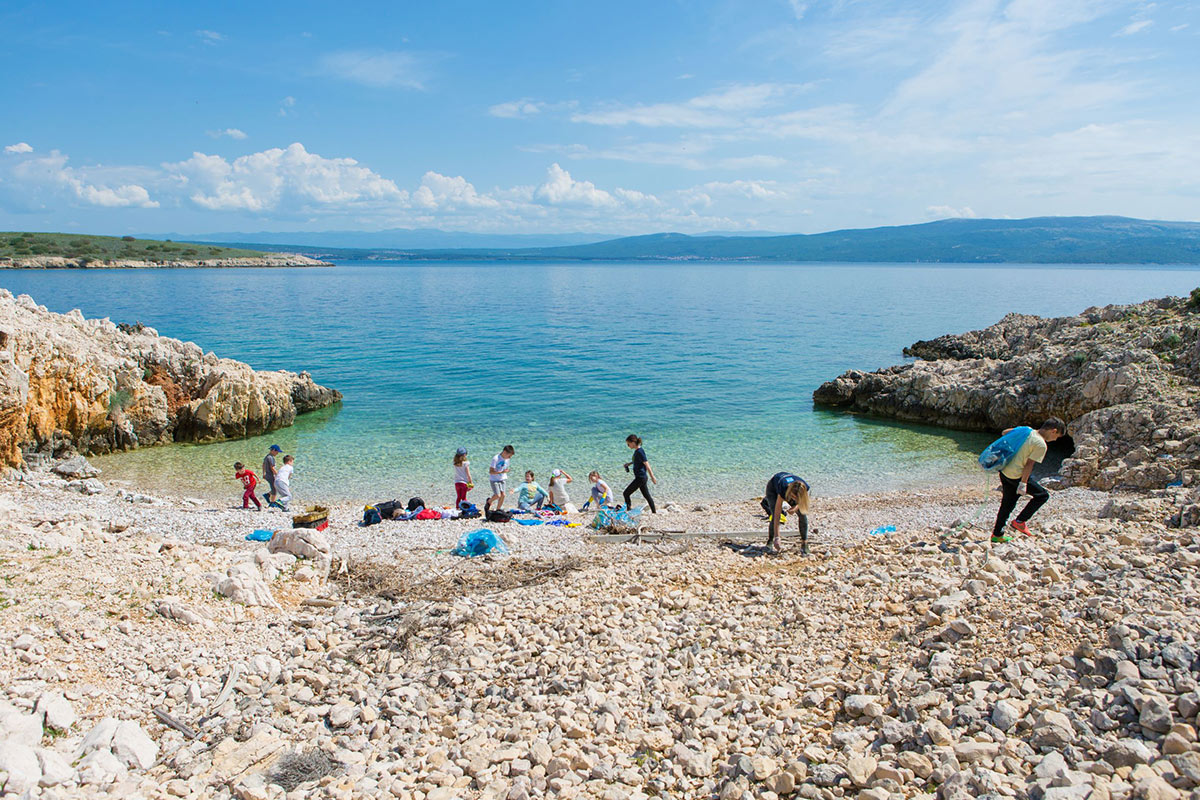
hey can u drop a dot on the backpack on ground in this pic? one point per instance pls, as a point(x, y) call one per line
point(499, 516)
point(371, 516)
point(996, 455)
point(414, 503)
point(388, 508)
point(468, 510)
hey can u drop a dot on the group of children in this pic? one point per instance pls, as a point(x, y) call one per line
point(782, 489)
point(278, 477)
point(531, 495)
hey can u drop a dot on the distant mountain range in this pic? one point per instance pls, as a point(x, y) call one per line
point(1039, 240)
point(392, 239)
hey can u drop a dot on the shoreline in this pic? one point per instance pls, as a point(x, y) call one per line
point(41, 263)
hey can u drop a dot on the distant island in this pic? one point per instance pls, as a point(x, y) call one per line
point(26, 250)
point(1039, 240)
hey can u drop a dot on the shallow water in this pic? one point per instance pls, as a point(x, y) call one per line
point(713, 364)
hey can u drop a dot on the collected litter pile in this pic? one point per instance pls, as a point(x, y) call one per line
point(480, 543)
point(616, 521)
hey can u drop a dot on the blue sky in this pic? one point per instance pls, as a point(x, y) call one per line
point(616, 117)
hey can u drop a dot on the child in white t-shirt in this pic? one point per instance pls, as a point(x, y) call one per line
point(498, 477)
point(283, 483)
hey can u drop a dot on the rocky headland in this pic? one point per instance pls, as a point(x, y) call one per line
point(1125, 378)
point(64, 262)
point(93, 386)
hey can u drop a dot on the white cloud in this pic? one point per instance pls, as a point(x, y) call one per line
point(280, 178)
point(516, 108)
point(719, 109)
point(379, 69)
point(636, 198)
point(799, 9)
point(449, 193)
point(210, 37)
point(51, 173)
point(950, 212)
point(707, 194)
point(561, 189)
point(998, 68)
point(232, 133)
point(1137, 26)
point(19, 147)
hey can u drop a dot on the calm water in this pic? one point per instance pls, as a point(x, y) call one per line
point(712, 364)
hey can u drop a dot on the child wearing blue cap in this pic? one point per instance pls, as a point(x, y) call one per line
point(268, 472)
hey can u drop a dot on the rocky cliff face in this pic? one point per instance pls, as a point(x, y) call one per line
point(99, 387)
point(1125, 378)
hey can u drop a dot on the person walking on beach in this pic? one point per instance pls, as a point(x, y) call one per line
point(283, 484)
point(268, 471)
point(462, 477)
point(1015, 480)
point(498, 477)
point(784, 487)
point(249, 481)
point(641, 473)
point(558, 488)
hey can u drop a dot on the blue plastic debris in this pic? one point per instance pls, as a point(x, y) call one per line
point(260, 535)
point(478, 543)
point(883, 529)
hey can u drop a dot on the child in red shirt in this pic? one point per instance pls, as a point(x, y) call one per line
point(249, 481)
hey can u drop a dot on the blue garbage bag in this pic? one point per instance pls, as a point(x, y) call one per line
point(615, 518)
point(997, 454)
point(478, 543)
point(260, 535)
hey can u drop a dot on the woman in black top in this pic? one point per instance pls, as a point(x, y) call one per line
point(641, 472)
point(784, 487)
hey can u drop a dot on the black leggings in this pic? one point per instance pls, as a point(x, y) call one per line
point(642, 484)
point(1037, 498)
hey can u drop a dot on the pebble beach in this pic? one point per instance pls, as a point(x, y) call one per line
point(160, 654)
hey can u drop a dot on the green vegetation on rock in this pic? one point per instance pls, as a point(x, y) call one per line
point(108, 248)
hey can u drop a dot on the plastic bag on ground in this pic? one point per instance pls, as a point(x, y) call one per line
point(616, 520)
point(478, 543)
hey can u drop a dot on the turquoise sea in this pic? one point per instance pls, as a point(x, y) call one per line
point(713, 364)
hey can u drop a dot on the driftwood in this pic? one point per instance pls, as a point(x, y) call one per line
point(648, 536)
point(170, 721)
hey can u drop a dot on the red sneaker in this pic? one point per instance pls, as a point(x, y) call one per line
point(1020, 527)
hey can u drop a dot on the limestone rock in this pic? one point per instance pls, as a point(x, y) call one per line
point(303, 543)
point(20, 762)
point(132, 746)
point(1121, 376)
point(100, 768)
point(244, 584)
point(55, 769)
point(173, 609)
point(100, 387)
point(75, 467)
point(56, 711)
